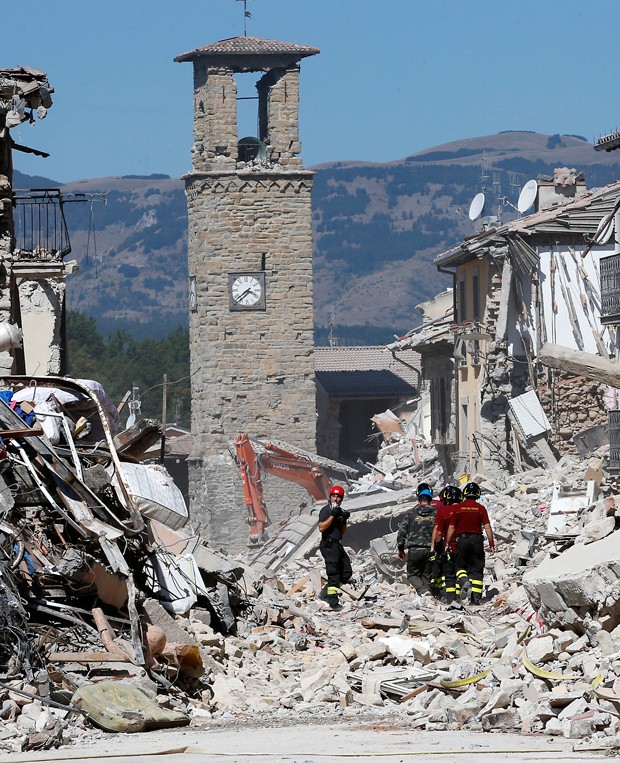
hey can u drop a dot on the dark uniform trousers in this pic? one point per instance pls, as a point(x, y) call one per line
point(337, 564)
point(470, 562)
point(443, 575)
point(419, 568)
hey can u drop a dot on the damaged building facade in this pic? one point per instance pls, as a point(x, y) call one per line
point(250, 270)
point(353, 384)
point(33, 241)
point(499, 399)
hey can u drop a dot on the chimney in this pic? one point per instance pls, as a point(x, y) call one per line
point(565, 185)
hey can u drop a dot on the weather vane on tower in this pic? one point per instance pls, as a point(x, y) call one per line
point(246, 15)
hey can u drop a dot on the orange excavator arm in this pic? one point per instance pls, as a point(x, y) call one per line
point(279, 462)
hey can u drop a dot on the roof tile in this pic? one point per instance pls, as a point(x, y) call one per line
point(249, 46)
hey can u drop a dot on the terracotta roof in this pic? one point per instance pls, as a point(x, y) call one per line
point(249, 46)
point(367, 372)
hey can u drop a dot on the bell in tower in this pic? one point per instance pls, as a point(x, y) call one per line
point(250, 269)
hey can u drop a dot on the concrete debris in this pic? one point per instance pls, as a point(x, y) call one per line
point(106, 593)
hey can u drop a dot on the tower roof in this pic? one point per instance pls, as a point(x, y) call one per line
point(249, 46)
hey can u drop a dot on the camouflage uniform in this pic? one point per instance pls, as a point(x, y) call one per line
point(414, 536)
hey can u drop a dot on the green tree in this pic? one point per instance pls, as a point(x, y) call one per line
point(121, 362)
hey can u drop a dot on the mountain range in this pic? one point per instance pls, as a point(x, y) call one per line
point(377, 229)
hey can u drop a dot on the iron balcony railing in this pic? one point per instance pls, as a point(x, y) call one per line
point(40, 228)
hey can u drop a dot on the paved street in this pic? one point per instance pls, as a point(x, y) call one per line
point(320, 744)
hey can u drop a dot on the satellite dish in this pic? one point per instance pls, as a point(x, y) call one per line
point(131, 420)
point(527, 196)
point(604, 230)
point(476, 206)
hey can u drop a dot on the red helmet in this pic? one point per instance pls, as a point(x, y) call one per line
point(337, 490)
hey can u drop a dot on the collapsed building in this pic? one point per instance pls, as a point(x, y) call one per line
point(528, 296)
point(34, 241)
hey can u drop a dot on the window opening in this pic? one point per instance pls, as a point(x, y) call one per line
point(462, 300)
point(476, 295)
point(248, 130)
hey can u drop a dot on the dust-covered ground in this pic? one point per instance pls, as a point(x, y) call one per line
point(368, 737)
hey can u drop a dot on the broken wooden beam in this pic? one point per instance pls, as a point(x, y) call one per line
point(88, 656)
point(580, 363)
point(133, 442)
point(27, 432)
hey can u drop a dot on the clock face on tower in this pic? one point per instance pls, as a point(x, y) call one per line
point(246, 291)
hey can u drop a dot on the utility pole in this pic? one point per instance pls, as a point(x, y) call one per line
point(163, 419)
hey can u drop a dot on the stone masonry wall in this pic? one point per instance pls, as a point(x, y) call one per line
point(218, 506)
point(281, 90)
point(503, 378)
point(253, 371)
point(571, 403)
point(6, 237)
point(215, 118)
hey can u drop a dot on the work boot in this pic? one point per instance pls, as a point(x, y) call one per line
point(333, 601)
point(322, 594)
point(465, 590)
point(476, 599)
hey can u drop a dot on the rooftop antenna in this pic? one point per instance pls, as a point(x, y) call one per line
point(497, 191)
point(246, 15)
point(484, 172)
point(333, 342)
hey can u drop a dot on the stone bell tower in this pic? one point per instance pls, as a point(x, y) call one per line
point(250, 276)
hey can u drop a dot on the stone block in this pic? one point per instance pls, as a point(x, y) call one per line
point(576, 728)
point(315, 679)
point(369, 699)
point(563, 639)
point(598, 529)
point(421, 651)
point(349, 651)
point(550, 597)
point(540, 649)
point(554, 727)
point(499, 700)
point(606, 642)
point(460, 714)
point(579, 645)
point(228, 693)
point(158, 616)
point(501, 719)
point(576, 708)
point(586, 582)
point(372, 650)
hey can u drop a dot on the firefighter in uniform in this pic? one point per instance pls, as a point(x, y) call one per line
point(333, 525)
point(466, 526)
point(444, 571)
point(414, 537)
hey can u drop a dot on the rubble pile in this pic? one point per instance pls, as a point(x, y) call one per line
point(404, 458)
point(95, 564)
point(115, 615)
point(502, 666)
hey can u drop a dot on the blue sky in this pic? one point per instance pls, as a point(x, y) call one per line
point(394, 76)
